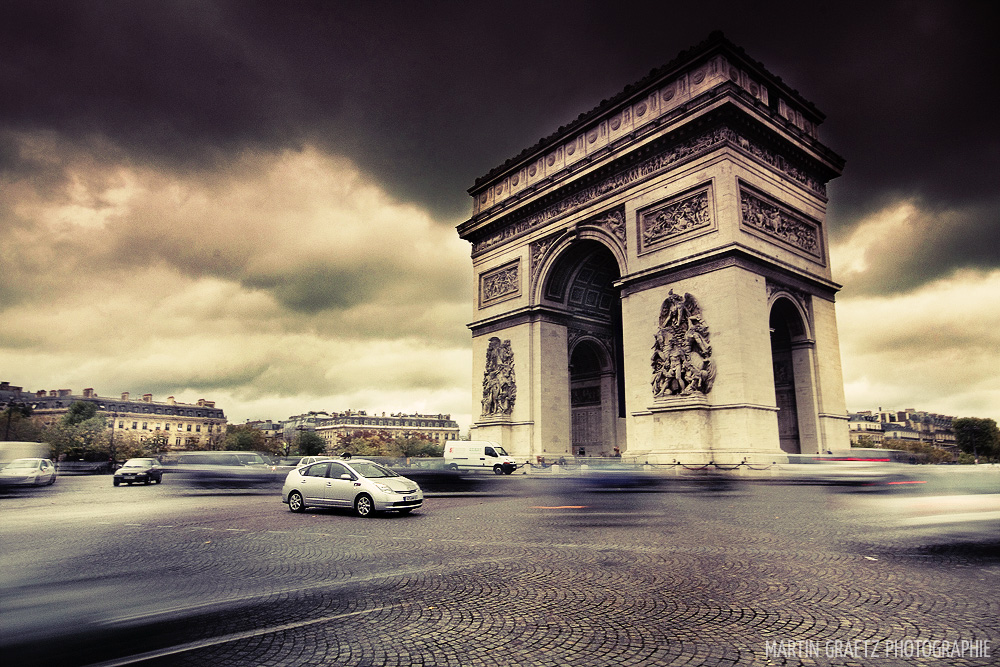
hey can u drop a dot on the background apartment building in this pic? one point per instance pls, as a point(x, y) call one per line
point(437, 428)
point(908, 425)
point(198, 425)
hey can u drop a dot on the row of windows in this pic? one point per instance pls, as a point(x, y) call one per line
point(362, 421)
point(133, 409)
point(330, 434)
point(166, 427)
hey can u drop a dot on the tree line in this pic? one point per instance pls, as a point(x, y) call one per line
point(977, 439)
point(86, 434)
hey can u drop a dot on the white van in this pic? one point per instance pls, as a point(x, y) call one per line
point(478, 455)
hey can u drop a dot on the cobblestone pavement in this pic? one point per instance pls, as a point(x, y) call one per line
point(754, 575)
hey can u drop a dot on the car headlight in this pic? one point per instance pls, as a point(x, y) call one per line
point(383, 488)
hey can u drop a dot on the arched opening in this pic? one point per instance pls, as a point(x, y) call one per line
point(786, 328)
point(581, 286)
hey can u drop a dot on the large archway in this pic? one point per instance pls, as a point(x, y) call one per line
point(680, 187)
point(787, 333)
point(581, 284)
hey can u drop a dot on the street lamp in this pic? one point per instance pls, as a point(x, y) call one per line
point(111, 440)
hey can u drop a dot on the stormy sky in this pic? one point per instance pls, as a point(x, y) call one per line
point(255, 202)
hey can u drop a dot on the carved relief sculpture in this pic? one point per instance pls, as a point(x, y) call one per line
point(675, 219)
point(779, 223)
point(500, 283)
point(499, 387)
point(682, 355)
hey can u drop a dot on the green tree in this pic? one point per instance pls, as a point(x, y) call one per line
point(85, 440)
point(80, 411)
point(16, 422)
point(865, 441)
point(922, 452)
point(978, 437)
point(363, 443)
point(240, 437)
point(418, 447)
point(310, 444)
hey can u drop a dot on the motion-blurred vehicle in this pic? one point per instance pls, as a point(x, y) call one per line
point(948, 503)
point(478, 455)
point(358, 484)
point(288, 463)
point(139, 471)
point(28, 472)
point(220, 470)
point(598, 493)
point(871, 469)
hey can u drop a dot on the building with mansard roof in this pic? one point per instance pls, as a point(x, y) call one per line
point(437, 427)
point(198, 425)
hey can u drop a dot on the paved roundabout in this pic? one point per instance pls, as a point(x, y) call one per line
point(750, 576)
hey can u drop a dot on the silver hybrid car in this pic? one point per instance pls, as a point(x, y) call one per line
point(363, 485)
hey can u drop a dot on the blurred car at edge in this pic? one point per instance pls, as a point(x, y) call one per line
point(28, 472)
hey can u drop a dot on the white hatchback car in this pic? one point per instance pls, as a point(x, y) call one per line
point(363, 485)
point(28, 472)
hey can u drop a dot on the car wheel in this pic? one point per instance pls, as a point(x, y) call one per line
point(364, 505)
point(148, 481)
point(295, 502)
point(52, 480)
point(453, 466)
point(117, 482)
point(497, 470)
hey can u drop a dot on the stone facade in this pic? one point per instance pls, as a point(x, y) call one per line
point(182, 426)
point(659, 272)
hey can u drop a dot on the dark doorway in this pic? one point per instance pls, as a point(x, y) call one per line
point(786, 326)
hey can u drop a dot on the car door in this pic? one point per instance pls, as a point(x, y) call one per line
point(340, 491)
point(313, 483)
point(489, 456)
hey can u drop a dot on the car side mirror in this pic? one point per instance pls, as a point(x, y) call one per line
point(347, 477)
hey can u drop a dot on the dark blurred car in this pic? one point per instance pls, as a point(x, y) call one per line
point(139, 471)
point(221, 470)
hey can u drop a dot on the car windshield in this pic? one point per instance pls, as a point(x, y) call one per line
point(500, 451)
point(22, 464)
point(137, 463)
point(250, 459)
point(371, 470)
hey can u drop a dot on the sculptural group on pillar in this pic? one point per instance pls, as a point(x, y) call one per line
point(681, 361)
point(499, 387)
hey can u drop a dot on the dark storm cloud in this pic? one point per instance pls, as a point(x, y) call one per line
point(428, 96)
point(930, 245)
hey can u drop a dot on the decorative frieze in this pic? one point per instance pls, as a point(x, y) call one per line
point(500, 284)
point(779, 222)
point(677, 153)
point(677, 218)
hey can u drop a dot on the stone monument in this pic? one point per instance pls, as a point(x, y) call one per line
point(654, 278)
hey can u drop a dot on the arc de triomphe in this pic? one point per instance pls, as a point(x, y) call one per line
point(655, 276)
